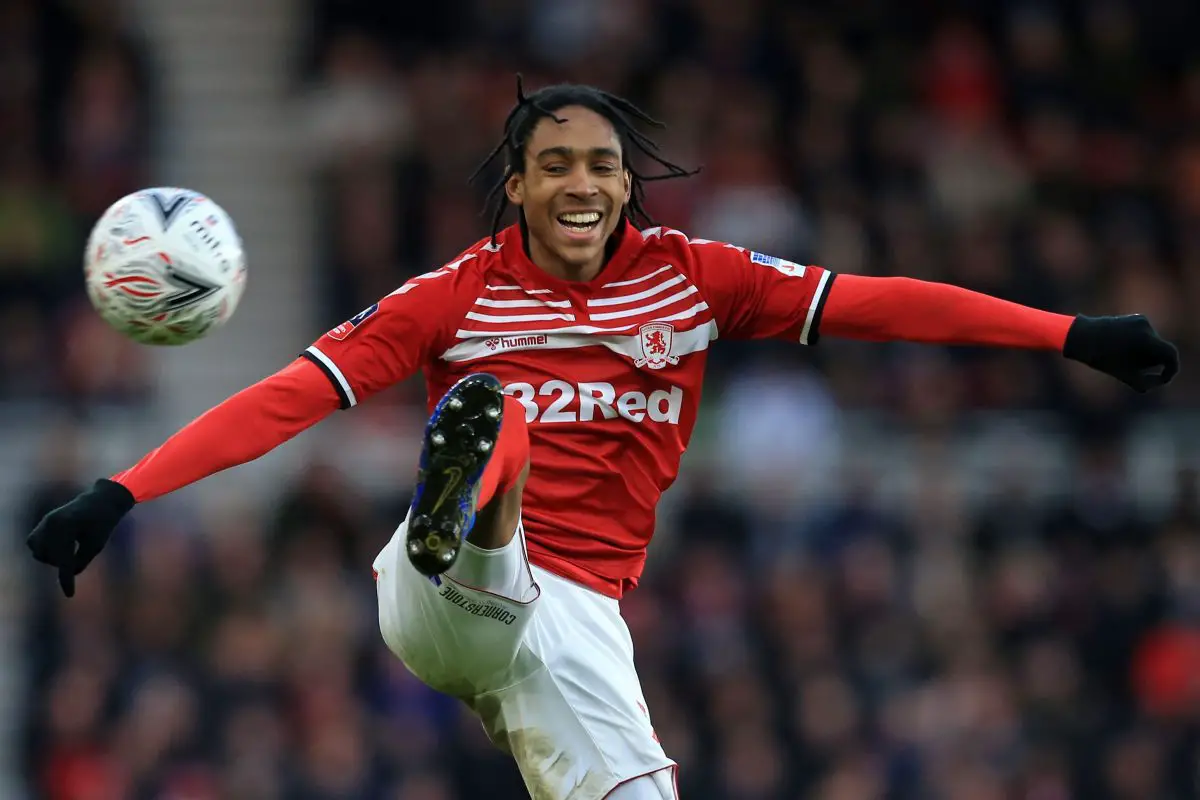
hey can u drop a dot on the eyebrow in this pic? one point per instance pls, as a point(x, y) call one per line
point(567, 152)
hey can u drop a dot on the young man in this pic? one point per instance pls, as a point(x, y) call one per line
point(568, 353)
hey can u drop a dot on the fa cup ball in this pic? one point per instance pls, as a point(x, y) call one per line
point(165, 266)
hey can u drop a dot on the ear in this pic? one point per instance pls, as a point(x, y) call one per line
point(628, 185)
point(514, 187)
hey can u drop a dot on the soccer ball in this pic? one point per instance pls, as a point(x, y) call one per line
point(164, 266)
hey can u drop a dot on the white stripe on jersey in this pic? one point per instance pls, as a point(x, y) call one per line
point(519, 317)
point(489, 303)
point(491, 288)
point(813, 306)
point(335, 372)
point(633, 312)
point(684, 342)
point(629, 298)
point(632, 281)
point(687, 313)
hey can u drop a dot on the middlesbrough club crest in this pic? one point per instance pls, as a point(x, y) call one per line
point(656, 339)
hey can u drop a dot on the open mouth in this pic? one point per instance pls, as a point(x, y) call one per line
point(580, 221)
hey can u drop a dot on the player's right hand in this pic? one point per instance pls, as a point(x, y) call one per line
point(70, 536)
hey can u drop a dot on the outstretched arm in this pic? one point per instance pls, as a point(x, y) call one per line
point(904, 309)
point(756, 296)
point(244, 427)
point(248, 425)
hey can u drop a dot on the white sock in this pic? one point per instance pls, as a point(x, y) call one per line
point(504, 571)
point(655, 786)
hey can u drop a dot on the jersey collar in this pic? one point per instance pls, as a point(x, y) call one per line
point(630, 245)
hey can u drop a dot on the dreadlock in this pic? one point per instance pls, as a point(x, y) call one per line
point(623, 115)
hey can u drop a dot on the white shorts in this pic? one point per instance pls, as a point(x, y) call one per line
point(546, 664)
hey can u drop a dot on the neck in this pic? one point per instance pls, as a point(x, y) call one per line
point(548, 261)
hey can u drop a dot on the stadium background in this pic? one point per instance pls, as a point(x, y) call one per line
point(887, 572)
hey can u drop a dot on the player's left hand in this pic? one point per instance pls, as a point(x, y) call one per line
point(1126, 347)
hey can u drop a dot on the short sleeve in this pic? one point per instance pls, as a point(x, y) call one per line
point(391, 340)
point(757, 296)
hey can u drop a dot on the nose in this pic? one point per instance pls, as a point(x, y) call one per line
point(580, 184)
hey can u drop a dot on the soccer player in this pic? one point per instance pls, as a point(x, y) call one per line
point(564, 357)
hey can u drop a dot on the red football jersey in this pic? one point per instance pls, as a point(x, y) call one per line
point(609, 370)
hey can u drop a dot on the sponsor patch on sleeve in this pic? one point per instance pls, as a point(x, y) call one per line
point(349, 326)
point(789, 268)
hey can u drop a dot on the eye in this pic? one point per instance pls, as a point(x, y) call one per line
point(605, 169)
point(555, 169)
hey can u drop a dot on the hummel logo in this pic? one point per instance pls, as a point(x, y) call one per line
point(497, 343)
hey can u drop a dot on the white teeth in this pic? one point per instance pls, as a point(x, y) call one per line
point(586, 218)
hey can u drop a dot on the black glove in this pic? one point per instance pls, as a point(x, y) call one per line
point(70, 536)
point(1126, 347)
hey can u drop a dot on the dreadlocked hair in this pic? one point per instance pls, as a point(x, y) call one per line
point(624, 116)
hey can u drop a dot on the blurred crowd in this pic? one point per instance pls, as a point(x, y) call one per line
point(841, 644)
point(76, 130)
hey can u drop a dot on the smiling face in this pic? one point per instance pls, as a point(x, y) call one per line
point(572, 191)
